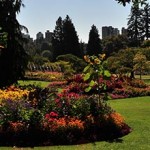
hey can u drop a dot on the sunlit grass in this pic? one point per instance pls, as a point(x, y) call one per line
point(143, 76)
point(42, 84)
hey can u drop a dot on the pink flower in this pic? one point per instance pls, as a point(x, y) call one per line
point(53, 114)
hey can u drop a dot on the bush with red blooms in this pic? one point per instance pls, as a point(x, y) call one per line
point(47, 118)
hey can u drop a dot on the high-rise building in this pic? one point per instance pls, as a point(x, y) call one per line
point(115, 31)
point(48, 36)
point(123, 31)
point(39, 36)
point(108, 31)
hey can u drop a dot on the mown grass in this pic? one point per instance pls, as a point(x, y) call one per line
point(42, 84)
point(136, 112)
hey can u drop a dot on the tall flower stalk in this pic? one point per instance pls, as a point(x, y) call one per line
point(93, 71)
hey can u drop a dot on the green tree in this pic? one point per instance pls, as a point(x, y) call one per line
point(48, 54)
point(135, 25)
point(65, 39)
point(57, 38)
point(94, 46)
point(140, 63)
point(122, 62)
point(146, 21)
point(70, 38)
point(146, 52)
point(13, 59)
point(145, 43)
point(77, 63)
point(45, 46)
point(113, 44)
point(124, 2)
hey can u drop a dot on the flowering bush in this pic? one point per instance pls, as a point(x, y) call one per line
point(138, 83)
point(64, 117)
point(54, 123)
point(14, 93)
point(16, 127)
point(129, 91)
point(115, 118)
point(78, 78)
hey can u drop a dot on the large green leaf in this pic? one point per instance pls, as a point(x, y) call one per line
point(88, 89)
point(87, 76)
point(92, 83)
point(86, 68)
point(107, 73)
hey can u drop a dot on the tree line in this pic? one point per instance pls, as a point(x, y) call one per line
point(14, 57)
point(139, 24)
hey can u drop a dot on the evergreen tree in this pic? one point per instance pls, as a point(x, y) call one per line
point(71, 41)
point(57, 38)
point(134, 1)
point(94, 43)
point(13, 59)
point(135, 25)
point(146, 21)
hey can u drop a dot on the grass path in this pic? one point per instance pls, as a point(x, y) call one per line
point(42, 84)
point(136, 112)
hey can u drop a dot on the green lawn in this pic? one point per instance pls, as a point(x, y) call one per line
point(136, 112)
point(34, 82)
point(143, 76)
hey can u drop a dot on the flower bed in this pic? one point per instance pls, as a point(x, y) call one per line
point(116, 87)
point(13, 93)
point(47, 118)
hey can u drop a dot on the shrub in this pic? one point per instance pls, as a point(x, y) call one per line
point(138, 83)
point(77, 64)
point(58, 118)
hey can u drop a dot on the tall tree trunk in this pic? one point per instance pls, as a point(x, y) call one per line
point(132, 75)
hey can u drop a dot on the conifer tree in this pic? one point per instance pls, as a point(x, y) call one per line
point(135, 25)
point(124, 2)
point(70, 38)
point(57, 38)
point(146, 21)
point(94, 43)
point(65, 39)
point(13, 59)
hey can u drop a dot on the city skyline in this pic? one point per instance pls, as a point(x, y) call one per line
point(40, 17)
point(115, 31)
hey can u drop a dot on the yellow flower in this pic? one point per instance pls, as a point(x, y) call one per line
point(102, 56)
point(86, 58)
point(96, 61)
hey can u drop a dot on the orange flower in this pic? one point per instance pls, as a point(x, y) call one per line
point(116, 118)
point(16, 126)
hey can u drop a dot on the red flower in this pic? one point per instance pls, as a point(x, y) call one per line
point(53, 114)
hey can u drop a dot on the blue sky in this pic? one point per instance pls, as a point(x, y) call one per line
point(41, 15)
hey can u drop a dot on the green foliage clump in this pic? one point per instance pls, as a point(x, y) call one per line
point(76, 63)
point(13, 58)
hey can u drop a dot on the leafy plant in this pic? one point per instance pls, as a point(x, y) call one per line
point(93, 71)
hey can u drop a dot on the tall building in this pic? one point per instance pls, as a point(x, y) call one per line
point(116, 31)
point(39, 36)
point(108, 31)
point(124, 31)
point(48, 36)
